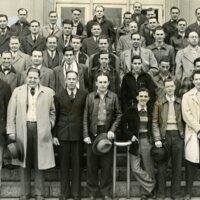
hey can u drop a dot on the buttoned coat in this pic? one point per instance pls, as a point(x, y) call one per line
point(184, 62)
point(17, 124)
point(46, 31)
point(148, 60)
point(89, 46)
point(27, 44)
point(191, 116)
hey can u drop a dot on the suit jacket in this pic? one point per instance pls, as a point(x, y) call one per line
point(69, 115)
point(148, 59)
point(27, 44)
point(89, 46)
point(4, 99)
point(45, 59)
point(4, 40)
point(21, 62)
point(12, 78)
point(142, 19)
point(60, 78)
point(46, 31)
point(46, 77)
point(83, 58)
point(61, 43)
point(80, 29)
point(184, 62)
point(17, 124)
point(192, 27)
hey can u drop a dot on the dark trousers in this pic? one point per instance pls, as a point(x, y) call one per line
point(70, 153)
point(93, 163)
point(191, 171)
point(175, 147)
point(32, 158)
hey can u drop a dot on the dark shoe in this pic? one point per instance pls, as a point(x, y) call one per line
point(39, 197)
point(144, 197)
point(107, 197)
point(187, 197)
point(24, 197)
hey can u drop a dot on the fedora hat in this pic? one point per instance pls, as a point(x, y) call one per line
point(159, 154)
point(101, 144)
point(15, 150)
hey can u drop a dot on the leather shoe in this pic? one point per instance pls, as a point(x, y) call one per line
point(107, 197)
point(39, 197)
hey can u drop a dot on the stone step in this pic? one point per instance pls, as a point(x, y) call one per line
point(52, 189)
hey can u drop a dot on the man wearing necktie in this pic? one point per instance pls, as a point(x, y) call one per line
point(168, 130)
point(68, 135)
point(30, 108)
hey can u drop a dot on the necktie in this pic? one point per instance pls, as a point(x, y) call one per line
point(66, 40)
point(34, 38)
point(52, 29)
point(32, 91)
point(52, 54)
point(72, 95)
point(2, 32)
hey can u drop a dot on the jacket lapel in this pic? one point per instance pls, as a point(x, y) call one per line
point(61, 77)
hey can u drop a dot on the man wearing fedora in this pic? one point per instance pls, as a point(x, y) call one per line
point(102, 114)
point(30, 118)
point(137, 126)
point(68, 136)
point(168, 130)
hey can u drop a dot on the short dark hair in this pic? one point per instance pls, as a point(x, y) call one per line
point(95, 24)
point(164, 59)
point(3, 15)
point(152, 18)
point(67, 21)
point(197, 10)
point(104, 37)
point(21, 9)
point(69, 48)
point(103, 52)
point(150, 9)
point(196, 60)
point(101, 74)
point(159, 28)
point(14, 37)
point(100, 7)
point(35, 21)
point(135, 34)
point(52, 11)
point(136, 57)
point(77, 9)
point(143, 89)
point(174, 7)
point(182, 20)
point(36, 50)
point(76, 37)
point(196, 71)
point(33, 69)
point(51, 36)
point(6, 51)
point(71, 71)
point(169, 80)
point(127, 13)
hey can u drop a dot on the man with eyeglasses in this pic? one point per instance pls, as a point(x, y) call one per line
point(185, 57)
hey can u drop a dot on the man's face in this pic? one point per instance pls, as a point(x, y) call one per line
point(22, 15)
point(69, 57)
point(71, 80)
point(137, 7)
point(103, 44)
point(51, 44)
point(99, 12)
point(102, 83)
point(33, 79)
point(76, 15)
point(143, 98)
point(76, 44)
point(159, 35)
point(135, 40)
point(193, 39)
point(164, 68)
point(127, 19)
point(150, 14)
point(152, 23)
point(37, 58)
point(104, 60)
point(53, 18)
point(3, 22)
point(169, 88)
point(197, 66)
point(6, 59)
point(67, 29)
point(96, 30)
point(34, 28)
point(198, 15)
point(175, 14)
point(196, 81)
point(136, 66)
point(133, 27)
point(181, 26)
point(14, 45)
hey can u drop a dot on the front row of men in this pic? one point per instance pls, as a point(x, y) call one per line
point(77, 116)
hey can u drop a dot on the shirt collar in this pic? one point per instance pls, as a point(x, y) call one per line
point(38, 67)
point(140, 108)
point(170, 98)
point(70, 91)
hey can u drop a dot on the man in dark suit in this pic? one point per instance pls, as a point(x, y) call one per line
point(68, 134)
point(80, 56)
point(8, 72)
point(34, 41)
point(69, 64)
point(51, 56)
point(5, 33)
point(90, 44)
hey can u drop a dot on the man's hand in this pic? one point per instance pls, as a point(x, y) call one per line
point(110, 135)
point(134, 138)
point(158, 144)
point(12, 137)
point(87, 140)
point(56, 141)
